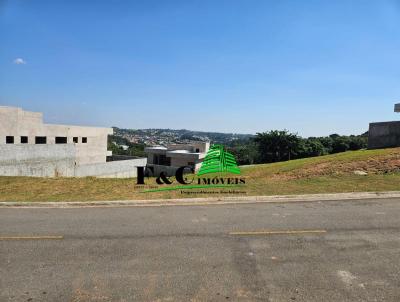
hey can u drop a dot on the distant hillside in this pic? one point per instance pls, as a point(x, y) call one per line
point(167, 136)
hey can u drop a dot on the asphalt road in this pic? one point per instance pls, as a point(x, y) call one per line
point(311, 251)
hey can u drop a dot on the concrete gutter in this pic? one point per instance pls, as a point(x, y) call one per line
point(206, 201)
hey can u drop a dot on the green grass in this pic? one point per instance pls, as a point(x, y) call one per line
point(325, 174)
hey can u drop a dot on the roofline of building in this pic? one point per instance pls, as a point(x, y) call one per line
point(61, 125)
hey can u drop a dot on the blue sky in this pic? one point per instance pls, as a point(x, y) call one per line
point(312, 67)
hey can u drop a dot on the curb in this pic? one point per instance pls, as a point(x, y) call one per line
point(205, 201)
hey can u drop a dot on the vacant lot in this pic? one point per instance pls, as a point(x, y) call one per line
point(325, 174)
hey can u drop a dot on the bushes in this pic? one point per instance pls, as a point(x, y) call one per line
point(115, 142)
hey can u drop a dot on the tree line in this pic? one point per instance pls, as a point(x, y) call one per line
point(281, 145)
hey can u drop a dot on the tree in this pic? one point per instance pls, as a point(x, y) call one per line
point(245, 152)
point(358, 142)
point(134, 149)
point(277, 145)
point(340, 144)
point(312, 147)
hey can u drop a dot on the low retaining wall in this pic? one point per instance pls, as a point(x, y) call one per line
point(37, 160)
point(113, 169)
point(384, 135)
point(59, 161)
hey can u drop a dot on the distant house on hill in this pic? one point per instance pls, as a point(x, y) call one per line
point(168, 159)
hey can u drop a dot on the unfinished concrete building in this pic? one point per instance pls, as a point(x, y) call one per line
point(28, 147)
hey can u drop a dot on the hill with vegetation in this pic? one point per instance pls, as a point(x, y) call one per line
point(173, 136)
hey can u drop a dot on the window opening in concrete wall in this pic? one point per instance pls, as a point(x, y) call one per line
point(75, 139)
point(84, 140)
point(9, 139)
point(61, 140)
point(24, 139)
point(40, 139)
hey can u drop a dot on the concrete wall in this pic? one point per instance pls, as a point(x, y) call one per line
point(179, 160)
point(202, 146)
point(37, 160)
point(384, 135)
point(59, 161)
point(113, 169)
point(94, 151)
point(49, 160)
point(17, 122)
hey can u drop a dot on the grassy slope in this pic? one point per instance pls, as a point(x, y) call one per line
point(332, 173)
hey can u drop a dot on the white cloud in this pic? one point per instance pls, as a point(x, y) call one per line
point(19, 61)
